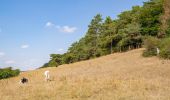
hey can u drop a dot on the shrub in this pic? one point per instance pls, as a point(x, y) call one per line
point(8, 72)
point(150, 43)
point(168, 29)
point(165, 48)
point(149, 53)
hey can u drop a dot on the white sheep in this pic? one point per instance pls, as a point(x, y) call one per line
point(47, 75)
point(158, 51)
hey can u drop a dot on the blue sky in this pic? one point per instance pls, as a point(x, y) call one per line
point(30, 30)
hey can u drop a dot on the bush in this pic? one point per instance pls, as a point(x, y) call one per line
point(8, 72)
point(165, 54)
point(165, 48)
point(168, 29)
point(149, 53)
point(150, 43)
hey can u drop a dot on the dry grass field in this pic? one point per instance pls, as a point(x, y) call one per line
point(120, 76)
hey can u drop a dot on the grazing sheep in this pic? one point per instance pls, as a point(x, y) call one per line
point(47, 75)
point(157, 51)
point(24, 80)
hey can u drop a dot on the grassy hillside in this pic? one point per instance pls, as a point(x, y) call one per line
point(120, 76)
point(106, 35)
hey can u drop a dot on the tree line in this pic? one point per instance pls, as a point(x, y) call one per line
point(8, 72)
point(132, 29)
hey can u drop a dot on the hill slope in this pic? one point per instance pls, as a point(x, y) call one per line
point(120, 76)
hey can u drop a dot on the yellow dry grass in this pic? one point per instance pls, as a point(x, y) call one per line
point(120, 76)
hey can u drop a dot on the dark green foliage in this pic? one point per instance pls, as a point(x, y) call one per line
point(8, 72)
point(106, 37)
point(68, 58)
point(92, 35)
point(150, 17)
point(56, 60)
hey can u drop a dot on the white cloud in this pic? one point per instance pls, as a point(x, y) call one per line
point(24, 46)
point(2, 54)
point(49, 24)
point(64, 29)
point(60, 50)
point(68, 29)
point(10, 62)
